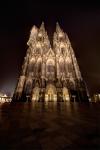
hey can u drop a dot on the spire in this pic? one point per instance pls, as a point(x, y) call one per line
point(34, 29)
point(58, 29)
point(46, 40)
point(42, 27)
point(33, 34)
point(42, 32)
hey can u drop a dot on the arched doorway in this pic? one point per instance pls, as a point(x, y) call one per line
point(35, 95)
point(28, 86)
point(66, 96)
point(51, 93)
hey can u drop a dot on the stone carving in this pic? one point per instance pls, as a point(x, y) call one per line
point(47, 66)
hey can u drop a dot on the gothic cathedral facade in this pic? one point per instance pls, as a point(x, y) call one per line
point(50, 73)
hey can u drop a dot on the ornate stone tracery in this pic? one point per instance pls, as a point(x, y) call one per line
point(50, 73)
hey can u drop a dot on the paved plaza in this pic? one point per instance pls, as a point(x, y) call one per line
point(49, 126)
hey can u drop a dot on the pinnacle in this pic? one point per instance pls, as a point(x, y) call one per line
point(58, 29)
point(34, 29)
point(57, 24)
point(42, 27)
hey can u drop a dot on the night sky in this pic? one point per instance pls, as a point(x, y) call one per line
point(81, 21)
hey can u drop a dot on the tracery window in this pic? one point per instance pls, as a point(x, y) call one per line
point(61, 65)
point(50, 68)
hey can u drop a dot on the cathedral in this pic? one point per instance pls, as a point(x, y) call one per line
point(50, 72)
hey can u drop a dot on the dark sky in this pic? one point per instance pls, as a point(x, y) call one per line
point(81, 21)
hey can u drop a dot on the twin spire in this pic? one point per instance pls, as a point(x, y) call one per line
point(41, 32)
point(42, 28)
point(58, 29)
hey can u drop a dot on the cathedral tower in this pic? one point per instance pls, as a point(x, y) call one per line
point(50, 73)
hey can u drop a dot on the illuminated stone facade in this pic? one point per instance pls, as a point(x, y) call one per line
point(50, 73)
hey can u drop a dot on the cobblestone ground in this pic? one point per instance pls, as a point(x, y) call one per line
point(49, 126)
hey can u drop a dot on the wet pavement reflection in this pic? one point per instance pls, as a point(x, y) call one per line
point(49, 126)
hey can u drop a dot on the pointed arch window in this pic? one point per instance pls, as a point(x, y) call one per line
point(61, 65)
point(50, 68)
point(39, 66)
